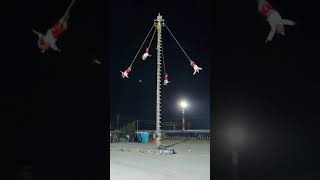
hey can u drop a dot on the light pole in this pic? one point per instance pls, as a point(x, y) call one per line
point(236, 137)
point(183, 105)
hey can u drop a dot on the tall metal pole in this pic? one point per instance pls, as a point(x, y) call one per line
point(183, 122)
point(158, 23)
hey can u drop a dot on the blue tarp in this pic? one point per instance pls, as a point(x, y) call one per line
point(144, 137)
point(139, 137)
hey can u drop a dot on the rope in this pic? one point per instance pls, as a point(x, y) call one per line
point(68, 9)
point(177, 42)
point(141, 45)
point(154, 32)
point(164, 64)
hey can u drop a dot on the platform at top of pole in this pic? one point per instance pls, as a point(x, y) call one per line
point(159, 18)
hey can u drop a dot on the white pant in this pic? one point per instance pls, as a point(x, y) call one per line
point(51, 40)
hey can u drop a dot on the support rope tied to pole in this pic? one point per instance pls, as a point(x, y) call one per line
point(125, 74)
point(146, 54)
point(154, 32)
point(66, 14)
point(195, 67)
point(166, 76)
point(141, 45)
point(177, 42)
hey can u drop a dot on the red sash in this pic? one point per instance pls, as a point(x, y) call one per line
point(57, 30)
point(193, 64)
point(266, 9)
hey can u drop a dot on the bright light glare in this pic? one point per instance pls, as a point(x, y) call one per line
point(183, 104)
point(236, 135)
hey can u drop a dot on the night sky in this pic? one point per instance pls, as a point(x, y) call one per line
point(269, 90)
point(64, 96)
point(132, 100)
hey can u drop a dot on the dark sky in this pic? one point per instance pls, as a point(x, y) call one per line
point(130, 22)
point(63, 97)
point(271, 91)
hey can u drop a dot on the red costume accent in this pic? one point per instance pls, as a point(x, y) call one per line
point(266, 9)
point(128, 70)
point(57, 30)
point(193, 64)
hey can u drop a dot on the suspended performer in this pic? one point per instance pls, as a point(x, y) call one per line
point(274, 19)
point(146, 54)
point(96, 61)
point(52, 35)
point(125, 74)
point(166, 80)
point(195, 67)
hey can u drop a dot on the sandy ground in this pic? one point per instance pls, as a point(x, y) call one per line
point(135, 161)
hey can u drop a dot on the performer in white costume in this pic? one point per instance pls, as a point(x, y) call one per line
point(273, 17)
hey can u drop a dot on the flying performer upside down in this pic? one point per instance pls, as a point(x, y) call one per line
point(96, 61)
point(146, 54)
point(52, 35)
point(126, 73)
point(274, 18)
point(166, 81)
point(196, 68)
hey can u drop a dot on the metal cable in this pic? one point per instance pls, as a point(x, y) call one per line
point(141, 45)
point(177, 42)
point(154, 32)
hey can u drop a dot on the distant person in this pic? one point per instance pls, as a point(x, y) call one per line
point(139, 137)
point(114, 138)
point(135, 137)
point(155, 136)
point(127, 138)
point(110, 137)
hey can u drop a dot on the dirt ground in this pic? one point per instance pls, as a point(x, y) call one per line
point(143, 161)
